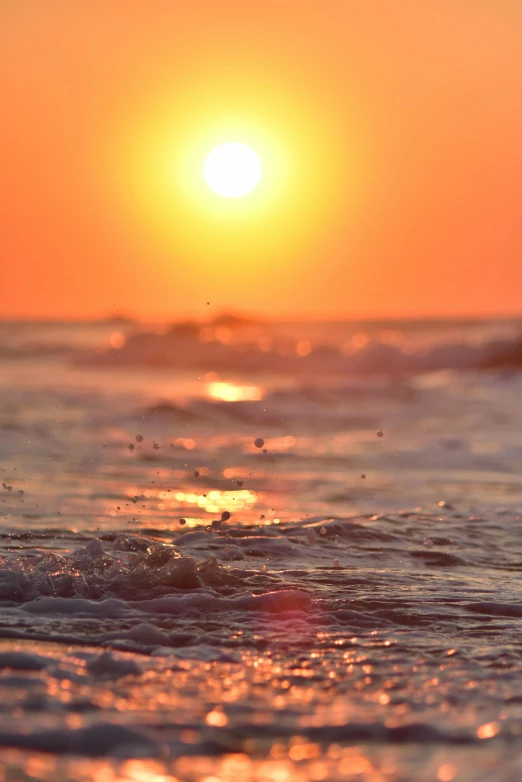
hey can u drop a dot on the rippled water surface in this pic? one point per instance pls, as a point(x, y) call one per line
point(338, 600)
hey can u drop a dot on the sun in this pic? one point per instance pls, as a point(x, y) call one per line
point(232, 170)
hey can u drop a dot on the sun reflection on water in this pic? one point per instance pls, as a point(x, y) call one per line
point(217, 501)
point(230, 392)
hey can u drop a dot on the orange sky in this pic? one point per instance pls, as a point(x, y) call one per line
point(392, 140)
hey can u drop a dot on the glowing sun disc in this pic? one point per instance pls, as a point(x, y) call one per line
point(232, 170)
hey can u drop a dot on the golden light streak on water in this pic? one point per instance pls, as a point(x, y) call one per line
point(229, 392)
point(217, 501)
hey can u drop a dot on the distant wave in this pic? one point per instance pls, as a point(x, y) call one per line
point(182, 348)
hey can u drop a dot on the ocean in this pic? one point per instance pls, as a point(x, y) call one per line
point(247, 550)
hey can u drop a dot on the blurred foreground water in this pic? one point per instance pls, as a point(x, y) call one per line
point(340, 603)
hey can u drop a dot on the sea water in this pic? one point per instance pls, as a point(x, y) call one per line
point(256, 551)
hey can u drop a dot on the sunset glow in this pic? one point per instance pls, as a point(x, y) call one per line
point(388, 141)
